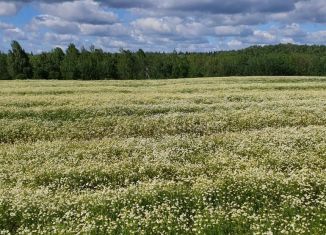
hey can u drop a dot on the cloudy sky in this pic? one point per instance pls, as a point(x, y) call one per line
point(161, 25)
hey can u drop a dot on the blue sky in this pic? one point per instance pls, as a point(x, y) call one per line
point(156, 25)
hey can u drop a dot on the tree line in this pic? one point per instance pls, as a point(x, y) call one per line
point(95, 64)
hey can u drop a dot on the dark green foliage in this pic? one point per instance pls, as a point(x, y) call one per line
point(40, 65)
point(70, 64)
point(55, 57)
point(127, 65)
point(18, 63)
point(143, 70)
point(95, 64)
point(47, 65)
point(109, 67)
point(4, 75)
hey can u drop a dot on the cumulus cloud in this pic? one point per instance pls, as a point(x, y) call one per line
point(195, 25)
point(228, 31)
point(5, 26)
point(55, 24)
point(59, 39)
point(86, 11)
point(318, 37)
point(118, 30)
point(15, 34)
point(310, 11)
point(9, 8)
point(11, 32)
point(229, 7)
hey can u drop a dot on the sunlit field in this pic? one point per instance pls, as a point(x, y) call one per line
point(243, 155)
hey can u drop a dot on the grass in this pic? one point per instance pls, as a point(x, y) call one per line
point(240, 155)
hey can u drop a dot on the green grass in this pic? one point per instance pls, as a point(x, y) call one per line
point(241, 155)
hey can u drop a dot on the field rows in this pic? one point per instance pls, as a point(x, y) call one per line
point(190, 156)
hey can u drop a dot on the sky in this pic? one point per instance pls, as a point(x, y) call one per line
point(161, 25)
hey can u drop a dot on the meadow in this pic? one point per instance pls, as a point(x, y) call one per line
point(236, 155)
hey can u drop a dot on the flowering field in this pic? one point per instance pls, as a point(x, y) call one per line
point(190, 156)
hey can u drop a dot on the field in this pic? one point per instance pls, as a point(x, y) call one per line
point(241, 155)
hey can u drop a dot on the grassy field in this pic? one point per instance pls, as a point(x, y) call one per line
point(190, 156)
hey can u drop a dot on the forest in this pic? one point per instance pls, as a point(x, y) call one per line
point(96, 64)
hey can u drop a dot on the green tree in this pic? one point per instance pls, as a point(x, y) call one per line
point(183, 66)
point(70, 64)
point(283, 59)
point(127, 68)
point(143, 70)
point(109, 67)
point(47, 65)
point(4, 75)
point(19, 66)
point(56, 56)
point(40, 66)
point(87, 66)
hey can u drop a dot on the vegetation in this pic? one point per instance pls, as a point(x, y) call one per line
point(187, 156)
point(18, 64)
point(95, 64)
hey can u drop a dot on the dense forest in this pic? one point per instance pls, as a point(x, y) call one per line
point(95, 64)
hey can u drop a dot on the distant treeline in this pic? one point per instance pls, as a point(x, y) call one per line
point(95, 64)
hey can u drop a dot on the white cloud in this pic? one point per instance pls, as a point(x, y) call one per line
point(60, 38)
point(235, 44)
point(15, 34)
point(233, 31)
point(265, 36)
point(318, 37)
point(8, 8)
point(6, 26)
point(85, 11)
point(55, 24)
point(104, 30)
point(155, 25)
point(164, 25)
